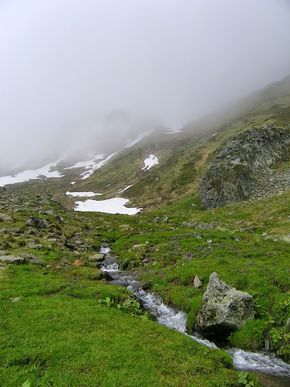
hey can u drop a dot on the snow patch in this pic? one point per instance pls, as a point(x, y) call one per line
point(90, 166)
point(88, 163)
point(83, 194)
point(173, 131)
point(96, 165)
point(31, 174)
point(149, 162)
point(109, 206)
point(137, 139)
point(125, 189)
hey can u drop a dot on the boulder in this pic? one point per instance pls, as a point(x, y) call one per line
point(37, 222)
point(30, 258)
point(11, 259)
point(224, 309)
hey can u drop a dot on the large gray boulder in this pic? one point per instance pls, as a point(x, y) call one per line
point(224, 309)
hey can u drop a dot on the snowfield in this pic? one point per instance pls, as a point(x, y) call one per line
point(109, 206)
point(149, 162)
point(31, 174)
point(83, 194)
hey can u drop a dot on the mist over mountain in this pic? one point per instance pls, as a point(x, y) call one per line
point(94, 74)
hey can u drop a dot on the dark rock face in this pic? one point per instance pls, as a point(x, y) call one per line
point(224, 309)
point(232, 173)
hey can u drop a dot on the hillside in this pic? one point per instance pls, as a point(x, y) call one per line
point(86, 331)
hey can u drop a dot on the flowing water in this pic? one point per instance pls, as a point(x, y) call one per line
point(271, 371)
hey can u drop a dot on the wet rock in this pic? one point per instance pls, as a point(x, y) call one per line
point(11, 259)
point(197, 283)
point(37, 223)
point(98, 257)
point(224, 309)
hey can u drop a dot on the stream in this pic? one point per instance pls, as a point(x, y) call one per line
point(271, 371)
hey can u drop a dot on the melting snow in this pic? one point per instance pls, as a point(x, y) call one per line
point(150, 162)
point(31, 174)
point(96, 165)
point(173, 131)
point(83, 194)
point(88, 163)
point(125, 189)
point(137, 139)
point(92, 165)
point(109, 206)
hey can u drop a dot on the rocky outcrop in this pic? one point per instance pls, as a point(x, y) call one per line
point(235, 168)
point(224, 309)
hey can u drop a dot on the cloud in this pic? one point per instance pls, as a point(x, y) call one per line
point(72, 70)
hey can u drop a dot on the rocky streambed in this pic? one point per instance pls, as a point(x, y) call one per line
point(271, 371)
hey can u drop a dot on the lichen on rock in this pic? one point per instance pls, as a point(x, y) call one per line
point(236, 166)
point(224, 309)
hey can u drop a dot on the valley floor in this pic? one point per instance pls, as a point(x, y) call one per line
point(61, 324)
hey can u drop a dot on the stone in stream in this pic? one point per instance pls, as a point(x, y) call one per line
point(98, 257)
point(224, 309)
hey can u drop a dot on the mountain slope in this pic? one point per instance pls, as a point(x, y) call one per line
point(59, 290)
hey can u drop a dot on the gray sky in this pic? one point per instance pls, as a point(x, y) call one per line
point(70, 68)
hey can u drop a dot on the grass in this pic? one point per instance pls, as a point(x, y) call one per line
point(70, 328)
point(58, 334)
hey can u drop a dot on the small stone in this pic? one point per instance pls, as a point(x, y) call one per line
point(197, 283)
point(34, 246)
point(98, 257)
point(78, 263)
point(15, 299)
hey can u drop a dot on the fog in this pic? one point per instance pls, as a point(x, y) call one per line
point(74, 72)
